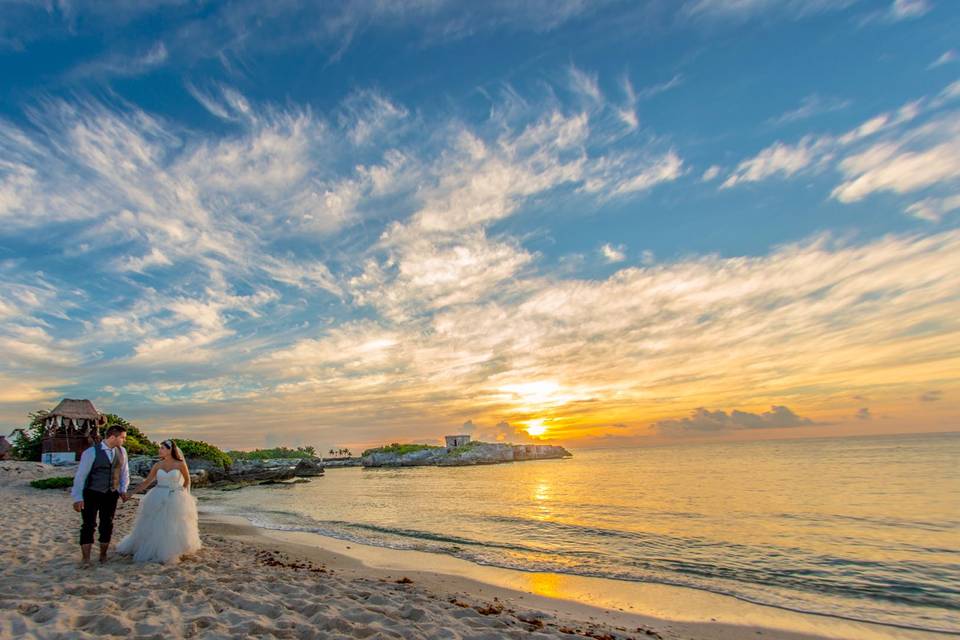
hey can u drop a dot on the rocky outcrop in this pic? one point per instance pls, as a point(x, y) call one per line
point(204, 473)
point(308, 468)
point(343, 462)
point(472, 454)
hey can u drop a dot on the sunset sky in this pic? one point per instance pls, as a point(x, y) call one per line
point(608, 223)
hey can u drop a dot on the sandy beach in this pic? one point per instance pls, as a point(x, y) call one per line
point(247, 583)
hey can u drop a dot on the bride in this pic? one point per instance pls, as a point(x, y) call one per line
point(166, 524)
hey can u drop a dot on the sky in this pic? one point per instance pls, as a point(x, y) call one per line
point(590, 223)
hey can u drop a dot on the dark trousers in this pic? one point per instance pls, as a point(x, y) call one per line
point(96, 504)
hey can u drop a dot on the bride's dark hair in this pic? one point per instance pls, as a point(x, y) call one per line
point(174, 449)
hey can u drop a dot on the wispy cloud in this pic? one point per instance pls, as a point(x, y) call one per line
point(585, 84)
point(121, 64)
point(885, 153)
point(810, 106)
point(656, 89)
point(903, 9)
point(628, 112)
point(934, 209)
point(925, 156)
point(746, 9)
point(782, 159)
point(626, 173)
point(711, 173)
point(897, 11)
point(947, 57)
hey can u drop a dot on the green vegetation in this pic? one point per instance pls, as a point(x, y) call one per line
point(278, 452)
point(204, 451)
point(137, 444)
point(465, 447)
point(400, 449)
point(29, 445)
point(59, 482)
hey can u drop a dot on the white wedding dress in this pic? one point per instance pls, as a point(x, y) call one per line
point(166, 524)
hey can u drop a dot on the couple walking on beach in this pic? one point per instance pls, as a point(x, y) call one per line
point(166, 524)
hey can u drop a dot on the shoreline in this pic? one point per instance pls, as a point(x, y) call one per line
point(666, 609)
point(248, 581)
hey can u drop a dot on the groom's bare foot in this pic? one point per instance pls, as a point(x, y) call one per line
point(84, 563)
point(103, 553)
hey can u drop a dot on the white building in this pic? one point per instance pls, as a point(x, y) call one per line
point(456, 441)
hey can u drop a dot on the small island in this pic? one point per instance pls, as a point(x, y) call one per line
point(460, 451)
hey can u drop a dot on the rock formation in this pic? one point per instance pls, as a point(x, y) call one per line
point(472, 454)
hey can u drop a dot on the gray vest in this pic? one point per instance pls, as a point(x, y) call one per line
point(100, 477)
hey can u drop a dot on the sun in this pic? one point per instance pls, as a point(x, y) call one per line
point(536, 427)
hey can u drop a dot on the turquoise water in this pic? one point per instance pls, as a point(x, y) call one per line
point(862, 528)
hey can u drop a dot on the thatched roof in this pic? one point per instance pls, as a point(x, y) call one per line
point(75, 410)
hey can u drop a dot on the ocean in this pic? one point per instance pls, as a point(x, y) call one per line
point(860, 528)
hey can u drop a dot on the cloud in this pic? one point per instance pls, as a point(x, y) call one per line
point(613, 254)
point(585, 84)
point(704, 421)
point(947, 57)
point(897, 11)
point(662, 87)
point(479, 182)
point(502, 431)
point(741, 10)
point(122, 64)
point(779, 158)
point(884, 153)
point(627, 173)
point(931, 396)
point(904, 9)
point(934, 209)
point(864, 414)
point(812, 105)
point(923, 157)
point(235, 34)
point(366, 114)
point(422, 274)
point(711, 173)
point(628, 112)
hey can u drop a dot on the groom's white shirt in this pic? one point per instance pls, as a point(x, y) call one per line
point(86, 463)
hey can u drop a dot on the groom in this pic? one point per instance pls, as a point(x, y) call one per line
point(102, 478)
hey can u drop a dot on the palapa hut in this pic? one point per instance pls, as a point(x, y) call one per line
point(5, 448)
point(69, 429)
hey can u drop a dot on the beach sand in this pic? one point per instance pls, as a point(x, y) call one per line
point(247, 583)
